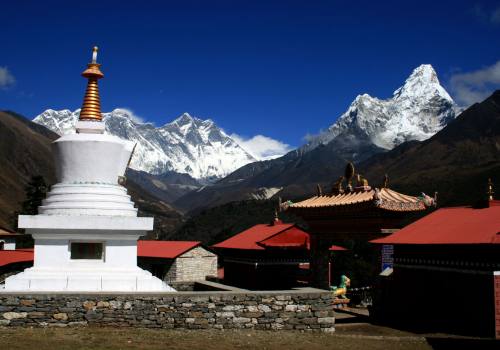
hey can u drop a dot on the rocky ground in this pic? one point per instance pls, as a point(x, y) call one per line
point(112, 338)
point(348, 335)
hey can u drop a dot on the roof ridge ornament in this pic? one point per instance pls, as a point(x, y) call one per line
point(362, 183)
point(349, 174)
point(337, 186)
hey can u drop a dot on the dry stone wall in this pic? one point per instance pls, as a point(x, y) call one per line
point(218, 310)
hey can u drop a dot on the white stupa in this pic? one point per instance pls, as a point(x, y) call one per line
point(86, 230)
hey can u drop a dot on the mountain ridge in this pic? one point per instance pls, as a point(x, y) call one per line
point(186, 145)
point(418, 109)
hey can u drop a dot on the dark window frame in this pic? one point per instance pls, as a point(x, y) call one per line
point(86, 251)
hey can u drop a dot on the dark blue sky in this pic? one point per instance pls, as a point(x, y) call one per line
point(277, 68)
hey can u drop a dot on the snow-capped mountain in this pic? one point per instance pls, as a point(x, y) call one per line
point(186, 145)
point(416, 111)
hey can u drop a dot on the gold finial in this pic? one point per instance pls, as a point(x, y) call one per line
point(91, 107)
point(349, 174)
point(490, 190)
point(337, 186)
point(364, 182)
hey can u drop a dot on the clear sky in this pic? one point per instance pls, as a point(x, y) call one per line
point(282, 69)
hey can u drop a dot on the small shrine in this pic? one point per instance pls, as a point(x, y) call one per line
point(352, 209)
point(87, 228)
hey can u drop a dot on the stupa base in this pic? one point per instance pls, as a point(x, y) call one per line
point(38, 280)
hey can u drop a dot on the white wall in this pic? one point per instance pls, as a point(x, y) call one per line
point(9, 243)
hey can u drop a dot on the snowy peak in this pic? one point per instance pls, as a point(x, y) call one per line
point(423, 81)
point(186, 145)
point(416, 111)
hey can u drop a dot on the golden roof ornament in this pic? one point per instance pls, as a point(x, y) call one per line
point(91, 107)
point(337, 186)
point(349, 174)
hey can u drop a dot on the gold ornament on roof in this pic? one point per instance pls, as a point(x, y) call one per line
point(349, 174)
point(337, 186)
point(91, 107)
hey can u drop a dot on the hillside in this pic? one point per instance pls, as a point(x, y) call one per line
point(214, 225)
point(24, 152)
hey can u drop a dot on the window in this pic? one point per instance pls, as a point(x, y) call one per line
point(87, 250)
point(1, 245)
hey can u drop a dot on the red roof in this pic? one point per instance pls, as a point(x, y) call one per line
point(291, 238)
point(248, 239)
point(164, 249)
point(15, 256)
point(262, 236)
point(462, 225)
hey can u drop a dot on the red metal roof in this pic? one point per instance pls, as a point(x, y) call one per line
point(164, 249)
point(461, 225)
point(248, 239)
point(292, 239)
point(15, 256)
point(262, 236)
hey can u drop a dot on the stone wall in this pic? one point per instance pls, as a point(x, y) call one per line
point(304, 310)
point(194, 265)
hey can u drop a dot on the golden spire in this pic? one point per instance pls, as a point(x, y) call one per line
point(91, 107)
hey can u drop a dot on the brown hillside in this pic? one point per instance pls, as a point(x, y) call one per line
point(24, 152)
